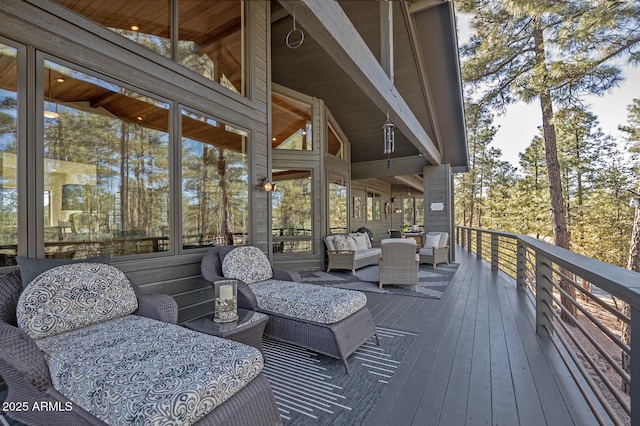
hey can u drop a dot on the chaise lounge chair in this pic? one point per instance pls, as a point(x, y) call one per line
point(78, 346)
point(333, 322)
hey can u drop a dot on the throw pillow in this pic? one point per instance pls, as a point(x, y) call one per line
point(361, 241)
point(352, 243)
point(341, 242)
point(73, 296)
point(431, 241)
point(31, 267)
point(368, 240)
point(248, 264)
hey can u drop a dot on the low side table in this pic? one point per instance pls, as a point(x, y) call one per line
point(247, 329)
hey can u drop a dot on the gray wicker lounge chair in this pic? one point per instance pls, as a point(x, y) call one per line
point(399, 262)
point(25, 370)
point(435, 248)
point(337, 340)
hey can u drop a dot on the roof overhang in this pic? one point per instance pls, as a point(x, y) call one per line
point(336, 64)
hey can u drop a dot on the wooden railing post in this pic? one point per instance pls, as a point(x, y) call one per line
point(544, 289)
point(494, 252)
point(635, 366)
point(469, 239)
point(521, 278)
point(479, 244)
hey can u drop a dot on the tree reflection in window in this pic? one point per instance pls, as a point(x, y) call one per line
point(215, 195)
point(107, 152)
point(291, 208)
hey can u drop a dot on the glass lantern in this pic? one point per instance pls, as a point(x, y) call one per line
point(226, 301)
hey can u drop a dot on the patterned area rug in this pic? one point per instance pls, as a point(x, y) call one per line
point(313, 389)
point(431, 282)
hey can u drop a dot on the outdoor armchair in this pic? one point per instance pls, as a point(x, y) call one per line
point(399, 262)
point(435, 248)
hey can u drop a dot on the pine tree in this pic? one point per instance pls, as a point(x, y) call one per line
point(551, 51)
point(632, 131)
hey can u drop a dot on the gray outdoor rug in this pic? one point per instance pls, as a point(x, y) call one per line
point(313, 389)
point(431, 282)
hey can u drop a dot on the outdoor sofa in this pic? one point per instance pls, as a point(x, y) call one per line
point(80, 346)
point(350, 251)
point(334, 322)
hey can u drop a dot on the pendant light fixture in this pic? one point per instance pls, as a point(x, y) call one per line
point(50, 114)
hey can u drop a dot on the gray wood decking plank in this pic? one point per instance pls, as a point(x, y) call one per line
point(479, 400)
point(434, 390)
point(503, 404)
point(454, 409)
point(475, 359)
point(397, 404)
point(529, 408)
point(392, 310)
point(560, 399)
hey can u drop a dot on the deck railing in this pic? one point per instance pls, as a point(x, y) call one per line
point(583, 305)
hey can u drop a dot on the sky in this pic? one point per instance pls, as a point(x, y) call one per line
point(520, 123)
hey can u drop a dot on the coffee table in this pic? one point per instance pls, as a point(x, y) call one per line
point(247, 329)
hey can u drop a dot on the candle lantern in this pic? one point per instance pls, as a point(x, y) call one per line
point(226, 301)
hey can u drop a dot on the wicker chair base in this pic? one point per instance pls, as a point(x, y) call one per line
point(337, 340)
point(439, 256)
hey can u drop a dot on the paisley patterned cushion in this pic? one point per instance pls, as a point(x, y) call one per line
point(138, 371)
point(311, 302)
point(341, 242)
point(73, 296)
point(248, 264)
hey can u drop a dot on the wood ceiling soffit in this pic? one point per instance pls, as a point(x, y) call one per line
point(327, 23)
point(419, 60)
point(74, 93)
point(420, 5)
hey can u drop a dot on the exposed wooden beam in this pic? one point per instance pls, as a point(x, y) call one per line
point(420, 5)
point(419, 58)
point(386, 38)
point(327, 23)
point(398, 167)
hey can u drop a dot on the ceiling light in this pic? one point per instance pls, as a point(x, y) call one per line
point(50, 114)
point(135, 28)
point(60, 79)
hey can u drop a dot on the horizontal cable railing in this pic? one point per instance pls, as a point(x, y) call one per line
point(587, 307)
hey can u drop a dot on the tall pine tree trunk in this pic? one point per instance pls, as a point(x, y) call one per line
point(633, 265)
point(560, 230)
point(228, 220)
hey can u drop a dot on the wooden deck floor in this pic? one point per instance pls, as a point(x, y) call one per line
point(476, 359)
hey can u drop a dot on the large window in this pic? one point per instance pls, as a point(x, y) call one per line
point(147, 22)
point(291, 124)
point(8, 149)
point(335, 145)
point(212, 40)
point(214, 183)
point(106, 167)
point(373, 207)
point(292, 214)
point(337, 204)
point(211, 33)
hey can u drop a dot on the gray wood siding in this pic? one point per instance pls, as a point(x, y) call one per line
point(437, 189)
point(57, 31)
point(359, 188)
